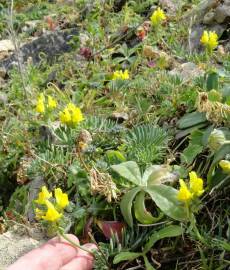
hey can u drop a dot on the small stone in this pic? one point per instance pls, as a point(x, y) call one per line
point(2, 72)
point(170, 5)
point(187, 71)
point(222, 13)
point(3, 98)
point(120, 116)
point(6, 45)
point(209, 18)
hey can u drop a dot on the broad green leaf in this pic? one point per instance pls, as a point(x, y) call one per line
point(129, 170)
point(165, 198)
point(190, 153)
point(169, 231)
point(191, 119)
point(126, 256)
point(148, 266)
point(189, 130)
point(213, 81)
point(141, 213)
point(154, 174)
point(126, 205)
point(220, 154)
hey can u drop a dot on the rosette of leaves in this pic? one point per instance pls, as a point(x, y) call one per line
point(146, 144)
point(151, 183)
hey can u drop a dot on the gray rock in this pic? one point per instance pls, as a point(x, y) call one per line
point(209, 18)
point(2, 72)
point(222, 13)
point(14, 245)
point(187, 71)
point(170, 5)
point(34, 188)
point(51, 44)
point(3, 98)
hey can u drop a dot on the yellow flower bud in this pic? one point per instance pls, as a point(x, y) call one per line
point(43, 195)
point(209, 40)
point(61, 198)
point(196, 184)
point(184, 194)
point(52, 214)
point(157, 17)
point(52, 103)
point(225, 166)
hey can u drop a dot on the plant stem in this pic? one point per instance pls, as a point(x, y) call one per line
point(60, 233)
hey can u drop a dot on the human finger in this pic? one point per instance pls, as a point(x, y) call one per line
point(83, 261)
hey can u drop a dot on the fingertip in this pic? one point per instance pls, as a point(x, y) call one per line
point(90, 246)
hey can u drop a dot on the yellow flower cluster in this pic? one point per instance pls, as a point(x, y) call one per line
point(209, 40)
point(121, 75)
point(157, 17)
point(195, 189)
point(71, 115)
point(42, 104)
point(225, 166)
point(53, 212)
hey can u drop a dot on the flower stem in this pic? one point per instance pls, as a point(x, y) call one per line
point(60, 233)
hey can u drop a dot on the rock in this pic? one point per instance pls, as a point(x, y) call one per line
point(51, 44)
point(30, 25)
point(209, 18)
point(187, 71)
point(120, 117)
point(2, 72)
point(14, 245)
point(222, 13)
point(34, 188)
point(170, 5)
point(6, 45)
point(155, 55)
point(3, 98)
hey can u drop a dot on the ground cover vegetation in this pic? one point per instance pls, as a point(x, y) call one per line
point(124, 139)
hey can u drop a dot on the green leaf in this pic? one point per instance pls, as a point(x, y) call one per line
point(154, 174)
point(212, 81)
point(165, 198)
point(141, 213)
point(169, 231)
point(220, 154)
point(126, 256)
point(190, 153)
point(129, 170)
point(126, 205)
point(148, 266)
point(191, 119)
point(115, 156)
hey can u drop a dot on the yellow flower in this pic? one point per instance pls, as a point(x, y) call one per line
point(184, 194)
point(157, 17)
point(61, 198)
point(225, 166)
point(77, 116)
point(52, 103)
point(71, 115)
point(205, 38)
point(38, 213)
point(120, 75)
point(209, 40)
point(52, 214)
point(43, 195)
point(196, 184)
point(65, 116)
point(40, 107)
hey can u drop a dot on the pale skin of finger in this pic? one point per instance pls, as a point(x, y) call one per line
point(53, 255)
point(83, 261)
